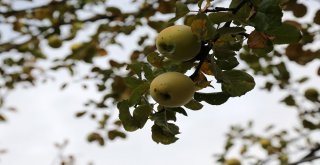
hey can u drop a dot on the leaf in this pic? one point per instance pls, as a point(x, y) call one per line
point(283, 73)
point(159, 135)
point(259, 41)
point(148, 72)
point(141, 114)
point(80, 114)
point(132, 82)
point(217, 98)
point(228, 63)
point(2, 118)
point(220, 17)
point(316, 18)
point(236, 82)
point(202, 27)
point(155, 59)
point(95, 137)
point(289, 100)
point(268, 15)
point(285, 34)
point(178, 110)
point(113, 134)
point(310, 125)
point(193, 105)
point(162, 117)
point(127, 120)
point(230, 30)
point(138, 92)
point(181, 10)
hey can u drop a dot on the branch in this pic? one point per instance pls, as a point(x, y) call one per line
point(233, 10)
point(4, 47)
point(305, 160)
point(205, 49)
point(14, 12)
point(310, 156)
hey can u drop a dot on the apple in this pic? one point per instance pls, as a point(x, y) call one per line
point(312, 94)
point(178, 43)
point(232, 161)
point(54, 41)
point(172, 89)
point(265, 143)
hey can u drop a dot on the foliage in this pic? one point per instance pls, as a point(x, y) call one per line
point(226, 39)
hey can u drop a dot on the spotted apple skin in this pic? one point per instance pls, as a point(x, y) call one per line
point(172, 89)
point(178, 43)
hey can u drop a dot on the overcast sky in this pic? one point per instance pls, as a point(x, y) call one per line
point(46, 116)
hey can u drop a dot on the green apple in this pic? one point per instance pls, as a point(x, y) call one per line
point(54, 41)
point(232, 161)
point(265, 143)
point(178, 43)
point(312, 94)
point(172, 89)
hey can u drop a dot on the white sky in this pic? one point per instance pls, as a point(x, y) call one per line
point(46, 116)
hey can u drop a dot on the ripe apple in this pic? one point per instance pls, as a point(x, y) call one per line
point(172, 89)
point(178, 43)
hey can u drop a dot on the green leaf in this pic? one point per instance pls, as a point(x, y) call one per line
point(132, 82)
point(155, 59)
point(310, 125)
point(230, 30)
point(219, 17)
point(162, 117)
point(95, 137)
point(127, 120)
point(79, 114)
point(223, 53)
point(282, 72)
point(113, 134)
point(217, 98)
point(285, 34)
point(148, 72)
point(289, 101)
point(193, 105)
point(268, 16)
point(138, 92)
point(217, 72)
point(161, 136)
point(178, 110)
point(236, 82)
point(228, 63)
point(141, 114)
point(181, 10)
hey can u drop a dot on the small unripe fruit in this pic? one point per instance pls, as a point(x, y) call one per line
point(54, 41)
point(172, 89)
point(232, 161)
point(265, 142)
point(312, 94)
point(178, 43)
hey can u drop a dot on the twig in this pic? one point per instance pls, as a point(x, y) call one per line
point(205, 49)
point(310, 156)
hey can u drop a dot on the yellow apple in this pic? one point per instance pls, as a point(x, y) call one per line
point(265, 143)
point(172, 89)
point(54, 41)
point(178, 43)
point(232, 161)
